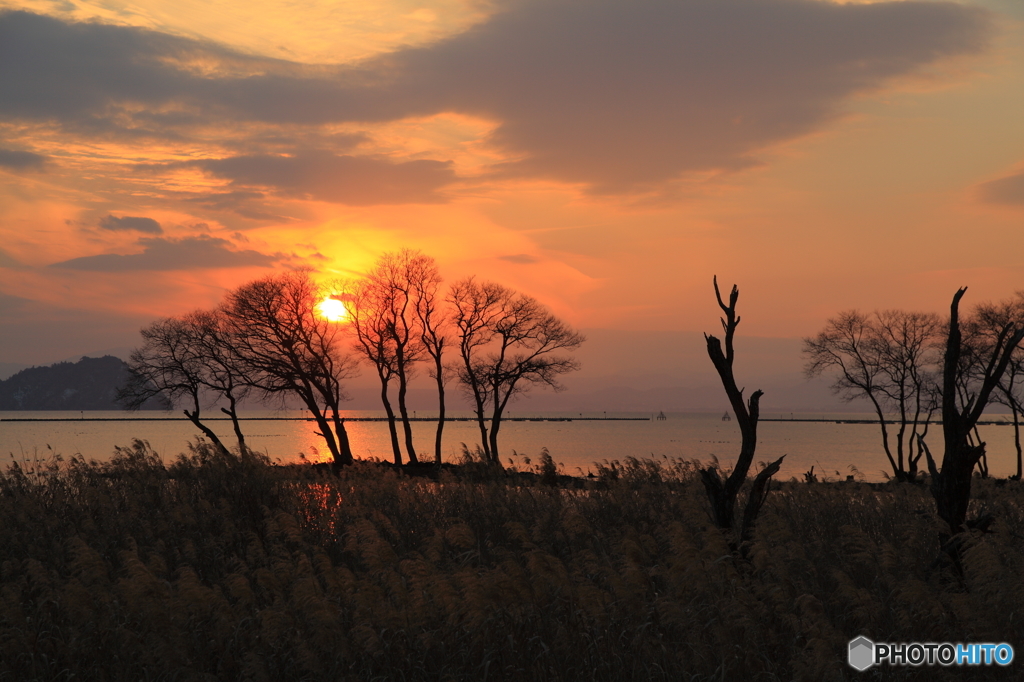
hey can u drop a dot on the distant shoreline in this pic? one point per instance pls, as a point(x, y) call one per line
point(309, 419)
point(447, 419)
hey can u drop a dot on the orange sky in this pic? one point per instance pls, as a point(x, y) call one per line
point(607, 157)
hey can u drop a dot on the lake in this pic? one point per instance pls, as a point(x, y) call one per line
point(830, 447)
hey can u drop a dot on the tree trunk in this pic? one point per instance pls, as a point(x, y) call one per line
point(493, 439)
point(233, 413)
point(406, 425)
point(327, 434)
point(396, 449)
point(1016, 436)
point(758, 494)
point(440, 416)
point(722, 494)
point(951, 486)
point(344, 446)
point(481, 421)
point(194, 418)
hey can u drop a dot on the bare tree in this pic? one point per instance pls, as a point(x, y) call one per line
point(368, 320)
point(1011, 394)
point(508, 343)
point(222, 372)
point(395, 275)
point(980, 333)
point(285, 348)
point(387, 319)
point(475, 306)
point(722, 494)
point(889, 359)
point(170, 363)
point(951, 485)
point(433, 323)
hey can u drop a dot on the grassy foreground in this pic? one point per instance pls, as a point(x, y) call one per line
point(226, 569)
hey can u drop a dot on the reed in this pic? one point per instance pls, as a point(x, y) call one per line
point(224, 567)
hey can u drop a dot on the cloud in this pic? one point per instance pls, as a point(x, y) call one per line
point(19, 160)
point(1008, 190)
point(8, 261)
point(239, 202)
point(617, 96)
point(137, 81)
point(322, 175)
point(522, 258)
point(128, 222)
point(188, 253)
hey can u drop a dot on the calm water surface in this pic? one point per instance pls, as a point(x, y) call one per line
point(828, 446)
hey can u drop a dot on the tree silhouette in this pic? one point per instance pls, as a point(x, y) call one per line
point(890, 359)
point(170, 362)
point(722, 494)
point(284, 348)
point(508, 343)
point(433, 327)
point(961, 409)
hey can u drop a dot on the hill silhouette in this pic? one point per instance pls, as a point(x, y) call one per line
point(89, 384)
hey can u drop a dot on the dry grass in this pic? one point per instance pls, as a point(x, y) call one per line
point(218, 568)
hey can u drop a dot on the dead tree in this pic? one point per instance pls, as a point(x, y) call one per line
point(951, 485)
point(722, 494)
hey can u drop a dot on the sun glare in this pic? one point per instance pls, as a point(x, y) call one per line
point(332, 309)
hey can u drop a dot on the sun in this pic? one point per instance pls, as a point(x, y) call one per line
point(332, 309)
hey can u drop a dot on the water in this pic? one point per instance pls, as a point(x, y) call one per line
point(829, 447)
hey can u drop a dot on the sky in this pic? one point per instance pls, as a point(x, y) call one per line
point(606, 157)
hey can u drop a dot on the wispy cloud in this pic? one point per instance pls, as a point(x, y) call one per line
point(321, 175)
point(1008, 190)
point(135, 223)
point(520, 258)
point(187, 253)
point(21, 160)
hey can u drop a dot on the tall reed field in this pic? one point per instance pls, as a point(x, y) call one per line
point(228, 568)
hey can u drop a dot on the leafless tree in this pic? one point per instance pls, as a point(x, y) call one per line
point(508, 343)
point(285, 348)
point(395, 274)
point(221, 368)
point(1011, 390)
point(386, 318)
point(169, 363)
point(722, 494)
point(951, 485)
point(368, 321)
point(433, 328)
point(981, 332)
point(890, 359)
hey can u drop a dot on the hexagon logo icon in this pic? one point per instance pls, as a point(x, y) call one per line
point(862, 653)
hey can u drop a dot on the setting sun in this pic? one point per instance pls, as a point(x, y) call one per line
point(332, 309)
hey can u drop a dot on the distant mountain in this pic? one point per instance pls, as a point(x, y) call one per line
point(9, 368)
point(89, 384)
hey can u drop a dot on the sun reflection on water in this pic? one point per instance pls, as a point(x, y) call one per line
point(320, 504)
